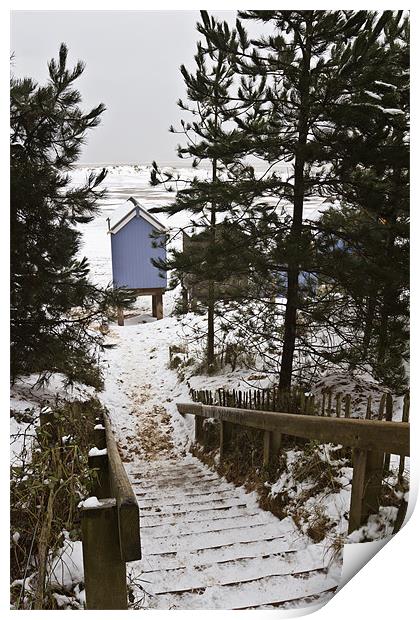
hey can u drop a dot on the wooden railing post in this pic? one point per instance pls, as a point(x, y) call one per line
point(374, 474)
point(158, 306)
point(120, 316)
point(110, 525)
point(272, 446)
point(388, 418)
point(225, 438)
point(198, 429)
point(347, 406)
point(405, 418)
point(105, 578)
point(366, 486)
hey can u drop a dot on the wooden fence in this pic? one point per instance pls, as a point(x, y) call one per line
point(330, 403)
point(110, 527)
point(370, 440)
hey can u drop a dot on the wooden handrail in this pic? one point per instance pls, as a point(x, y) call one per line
point(122, 491)
point(110, 525)
point(370, 440)
point(389, 437)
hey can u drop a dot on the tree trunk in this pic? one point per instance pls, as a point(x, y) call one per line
point(370, 314)
point(210, 329)
point(388, 297)
point(211, 296)
point(383, 328)
point(290, 316)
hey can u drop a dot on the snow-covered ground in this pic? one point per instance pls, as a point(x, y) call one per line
point(206, 543)
point(194, 558)
point(220, 524)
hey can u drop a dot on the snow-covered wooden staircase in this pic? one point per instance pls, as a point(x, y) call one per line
point(206, 544)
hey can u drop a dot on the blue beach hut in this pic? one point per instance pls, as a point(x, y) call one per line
point(137, 237)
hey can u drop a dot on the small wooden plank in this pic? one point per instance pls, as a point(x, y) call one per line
point(382, 407)
point(338, 405)
point(143, 292)
point(272, 446)
point(267, 448)
point(276, 444)
point(311, 408)
point(369, 408)
point(373, 483)
point(388, 407)
point(347, 409)
point(120, 316)
point(366, 486)
point(329, 408)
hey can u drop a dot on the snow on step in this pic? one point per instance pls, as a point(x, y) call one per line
point(182, 507)
point(209, 539)
point(187, 500)
point(227, 573)
point(224, 553)
point(196, 516)
point(254, 593)
point(176, 528)
point(205, 489)
point(207, 544)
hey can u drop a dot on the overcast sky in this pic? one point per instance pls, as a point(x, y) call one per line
point(132, 66)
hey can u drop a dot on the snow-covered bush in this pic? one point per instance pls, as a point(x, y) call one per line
point(46, 488)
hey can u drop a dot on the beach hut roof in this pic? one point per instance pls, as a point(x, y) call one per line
point(123, 214)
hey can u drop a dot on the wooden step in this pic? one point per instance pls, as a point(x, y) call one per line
point(216, 538)
point(193, 516)
point(262, 547)
point(183, 526)
point(256, 592)
point(202, 489)
point(194, 506)
point(229, 572)
point(179, 500)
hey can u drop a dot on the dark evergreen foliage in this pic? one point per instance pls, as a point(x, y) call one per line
point(322, 101)
point(53, 301)
point(364, 244)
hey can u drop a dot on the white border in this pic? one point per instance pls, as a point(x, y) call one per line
point(387, 586)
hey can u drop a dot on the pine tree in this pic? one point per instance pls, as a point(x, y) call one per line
point(370, 230)
point(53, 301)
point(207, 200)
point(309, 64)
